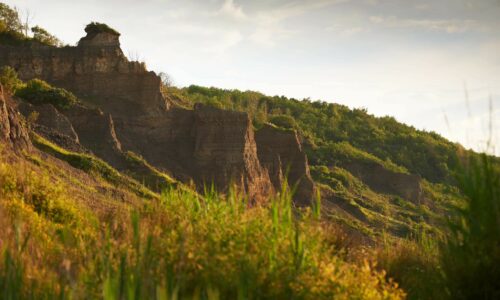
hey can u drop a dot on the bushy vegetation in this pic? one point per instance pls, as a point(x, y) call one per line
point(93, 165)
point(283, 121)
point(464, 262)
point(9, 80)
point(43, 36)
point(14, 32)
point(471, 256)
point(37, 91)
point(95, 27)
point(324, 124)
point(182, 246)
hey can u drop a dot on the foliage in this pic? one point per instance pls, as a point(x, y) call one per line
point(93, 165)
point(9, 19)
point(43, 36)
point(414, 263)
point(9, 79)
point(14, 32)
point(95, 27)
point(283, 121)
point(180, 246)
point(471, 257)
point(37, 91)
point(419, 152)
point(341, 153)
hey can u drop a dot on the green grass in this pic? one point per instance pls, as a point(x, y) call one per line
point(177, 247)
point(91, 164)
point(471, 255)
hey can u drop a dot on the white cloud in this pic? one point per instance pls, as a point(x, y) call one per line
point(346, 31)
point(229, 8)
point(442, 25)
point(269, 28)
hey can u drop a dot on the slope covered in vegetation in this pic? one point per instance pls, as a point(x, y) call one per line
point(397, 213)
point(344, 144)
point(54, 245)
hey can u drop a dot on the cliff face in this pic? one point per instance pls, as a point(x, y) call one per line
point(282, 155)
point(12, 130)
point(204, 145)
point(385, 181)
point(95, 71)
point(224, 141)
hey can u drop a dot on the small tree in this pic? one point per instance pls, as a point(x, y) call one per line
point(43, 36)
point(9, 79)
point(166, 79)
point(283, 121)
point(10, 19)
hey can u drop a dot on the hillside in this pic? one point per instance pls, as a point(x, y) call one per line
point(376, 174)
point(116, 185)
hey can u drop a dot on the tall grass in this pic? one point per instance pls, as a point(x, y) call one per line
point(471, 257)
point(180, 246)
point(465, 263)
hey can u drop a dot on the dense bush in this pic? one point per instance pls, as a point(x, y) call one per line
point(181, 246)
point(96, 27)
point(9, 80)
point(9, 19)
point(471, 257)
point(37, 91)
point(419, 152)
point(43, 36)
point(283, 121)
point(14, 32)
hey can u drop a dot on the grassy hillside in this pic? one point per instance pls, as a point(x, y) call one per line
point(55, 245)
point(327, 124)
point(334, 137)
point(73, 227)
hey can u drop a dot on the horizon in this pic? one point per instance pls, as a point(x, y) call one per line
point(434, 66)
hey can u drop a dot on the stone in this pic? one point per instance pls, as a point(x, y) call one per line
point(281, 153)
point(13, 131)
point(382, 180)
point(204, 146)
point(49, 117)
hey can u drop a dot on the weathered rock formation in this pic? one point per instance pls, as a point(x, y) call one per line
point(281, 153)
point(12, 130)
point(204, 145)
point(49, 117)
point(385, 181)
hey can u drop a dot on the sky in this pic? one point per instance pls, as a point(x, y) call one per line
point(433, 64)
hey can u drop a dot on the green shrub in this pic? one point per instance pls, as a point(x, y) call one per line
point(37, 91)
point(95, 27)
point(9, 18)
point(9, 80)
point(283, 121)
point(471, 258)
point(43, 36)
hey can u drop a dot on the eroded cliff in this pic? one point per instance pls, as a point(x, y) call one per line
point(13, 131)
point(123, 109)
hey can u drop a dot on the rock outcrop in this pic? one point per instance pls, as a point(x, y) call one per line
point(224, 141)
point(281, 153)
point(204, 145)
point(13, 131)
point(385, 181)
point(48, 116)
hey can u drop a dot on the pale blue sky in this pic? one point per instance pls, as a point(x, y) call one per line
point(409, 59)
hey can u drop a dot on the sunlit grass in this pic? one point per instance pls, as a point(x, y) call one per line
point(180, 246)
